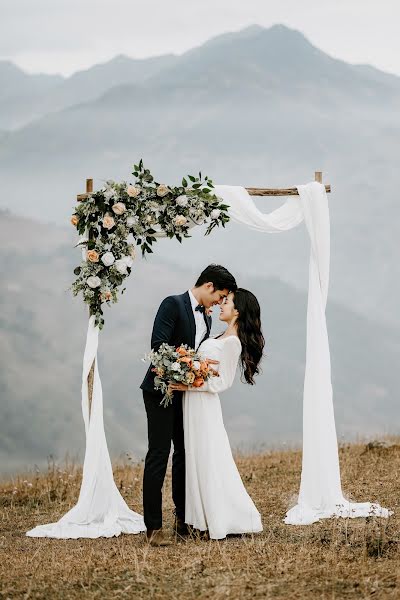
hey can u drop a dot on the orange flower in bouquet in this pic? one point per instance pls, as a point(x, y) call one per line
point(198, 382)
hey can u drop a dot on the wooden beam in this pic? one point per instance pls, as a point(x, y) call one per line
point(251, 190)
point(278, 191)
point(284, 191)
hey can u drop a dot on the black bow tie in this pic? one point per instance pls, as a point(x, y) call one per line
point(201, 308)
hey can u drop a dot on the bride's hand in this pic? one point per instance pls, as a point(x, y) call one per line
point(178, 387)
point(211, 361)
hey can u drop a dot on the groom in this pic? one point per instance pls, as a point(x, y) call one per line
point(180, 320)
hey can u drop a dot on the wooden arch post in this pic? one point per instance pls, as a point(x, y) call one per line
point(252, 192)
point(89, 190)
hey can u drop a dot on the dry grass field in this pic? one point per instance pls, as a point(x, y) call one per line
point(334, 559)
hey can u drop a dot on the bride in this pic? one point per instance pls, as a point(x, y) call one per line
point(216, 499)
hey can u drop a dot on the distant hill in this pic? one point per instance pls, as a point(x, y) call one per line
point(42, 335)
point(21, 95)
point(27, 97)
point(257, 107)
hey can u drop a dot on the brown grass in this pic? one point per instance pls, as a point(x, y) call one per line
point(333, 559)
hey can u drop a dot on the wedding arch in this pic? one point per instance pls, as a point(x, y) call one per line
point(148, 210)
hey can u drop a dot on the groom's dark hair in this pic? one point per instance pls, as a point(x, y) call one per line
point(219, 277)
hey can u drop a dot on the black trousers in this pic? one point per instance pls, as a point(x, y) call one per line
point(163, 425)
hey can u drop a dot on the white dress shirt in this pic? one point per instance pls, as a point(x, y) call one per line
point(201, 327)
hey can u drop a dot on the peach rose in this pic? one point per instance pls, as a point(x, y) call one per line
point(180, 220)
point(162, 190)
point(107, 295)
point(108, 222)
point(133, 191)
point(74, 220)
point(182, 351)
point(185, 359)
point(119, 208)
point(93, 256)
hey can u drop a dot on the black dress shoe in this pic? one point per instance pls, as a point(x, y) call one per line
point(180, 527)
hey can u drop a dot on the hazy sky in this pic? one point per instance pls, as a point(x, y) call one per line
point(62, 36)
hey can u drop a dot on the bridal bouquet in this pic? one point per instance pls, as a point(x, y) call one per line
point(178, 365)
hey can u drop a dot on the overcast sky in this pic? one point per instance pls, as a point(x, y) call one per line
point(63, 36)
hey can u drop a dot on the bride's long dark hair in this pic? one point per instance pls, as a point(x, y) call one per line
point(249, 333)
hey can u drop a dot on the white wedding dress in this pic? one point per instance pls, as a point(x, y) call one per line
point(216, 499)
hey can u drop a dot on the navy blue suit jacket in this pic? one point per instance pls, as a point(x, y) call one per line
point(175, 325)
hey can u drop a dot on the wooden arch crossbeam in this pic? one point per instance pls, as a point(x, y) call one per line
point(284, 191)
point(253, 191)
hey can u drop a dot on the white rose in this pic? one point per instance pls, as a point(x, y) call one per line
point(123, 263)
point(121, 266)
point(180, 220)
point(109, 193)
point(175, 366)
point(133, 191)
point(132, 221)
point(182, 201)
point(215, 213)
point(128, 260)
point(93, 281)
point(108, 259)
point(119, 208)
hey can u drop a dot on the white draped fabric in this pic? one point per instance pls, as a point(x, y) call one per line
point(100, 511)
point(320, 493)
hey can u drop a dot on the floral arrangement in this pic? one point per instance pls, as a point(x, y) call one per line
point(119, 218)
point(178, 365)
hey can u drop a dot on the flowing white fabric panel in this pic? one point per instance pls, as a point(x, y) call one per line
point(320, 493)
point(100, 511)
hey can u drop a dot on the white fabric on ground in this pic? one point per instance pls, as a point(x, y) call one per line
point(100, 511)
